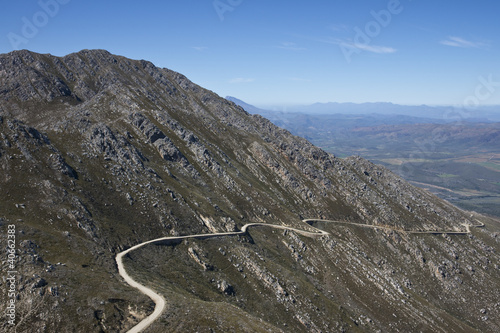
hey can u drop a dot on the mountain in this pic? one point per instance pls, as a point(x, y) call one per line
point(338, 121)
point(101, 153)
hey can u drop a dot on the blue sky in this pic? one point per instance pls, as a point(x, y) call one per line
point(285, 52)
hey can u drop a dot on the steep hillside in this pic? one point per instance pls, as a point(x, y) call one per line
point(100, 153)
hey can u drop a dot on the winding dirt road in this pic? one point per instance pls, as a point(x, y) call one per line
point(160, 302)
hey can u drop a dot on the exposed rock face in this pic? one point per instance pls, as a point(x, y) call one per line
point(99, 152)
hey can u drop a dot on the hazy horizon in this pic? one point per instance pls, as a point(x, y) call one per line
point(284, 106)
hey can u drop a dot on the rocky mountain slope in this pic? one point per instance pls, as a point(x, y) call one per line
point(100, 152)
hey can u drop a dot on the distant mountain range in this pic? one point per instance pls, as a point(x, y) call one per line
point(437, 113)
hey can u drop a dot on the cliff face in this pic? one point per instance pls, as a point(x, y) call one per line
point(100, 153)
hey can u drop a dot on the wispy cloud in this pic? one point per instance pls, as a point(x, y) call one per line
point(200, 48)
point(460, 42)
point(364, 47)
point(290, 46)
point(349, 43)
point(241, 80)
point(373, 48)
